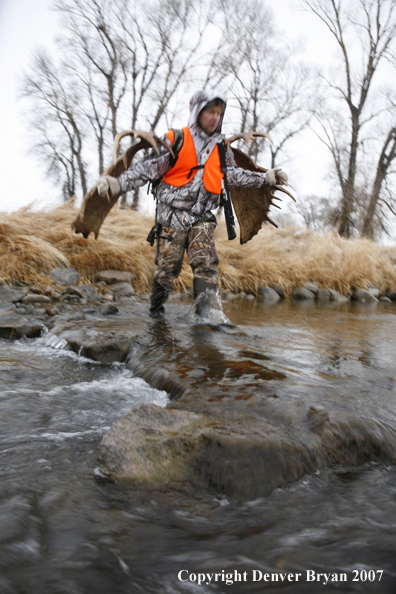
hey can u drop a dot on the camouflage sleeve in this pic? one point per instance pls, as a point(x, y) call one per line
point(150, 168)
point(239, 177)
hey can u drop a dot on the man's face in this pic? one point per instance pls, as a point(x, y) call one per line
point(209, 118)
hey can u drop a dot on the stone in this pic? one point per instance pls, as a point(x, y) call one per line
point(313, 287)
point(11, 294)
point(32, 298)
point(335, 296)
point(108, 296)
point(300, 294)
point(16, 331)
point(122, 289)
point(88, 290)
point(374, 291)
point(384, 299)
point(152, 445)
point(391, 295)
point(323, 295)
point(64, 276)
point(109, 309)
point(7, 309)
point(111, 277)
point(279, 290)
point(127, 300)
point(76, 291)
point(363, 296)
point(35, 289)
point(268, 294)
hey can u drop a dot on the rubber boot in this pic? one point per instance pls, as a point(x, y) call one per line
point(202, 291)
point(158, 296)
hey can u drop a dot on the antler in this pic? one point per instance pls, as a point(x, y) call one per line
point(150, 137)
point(281, 189)
point(248, 137)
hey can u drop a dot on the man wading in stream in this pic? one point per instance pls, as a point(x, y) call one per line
point(187, 190)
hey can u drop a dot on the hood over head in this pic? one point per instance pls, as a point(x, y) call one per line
point(200, 101)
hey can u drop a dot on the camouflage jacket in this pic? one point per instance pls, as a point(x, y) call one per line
point(182, 207)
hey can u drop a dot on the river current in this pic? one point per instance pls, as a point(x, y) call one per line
point(65, 529)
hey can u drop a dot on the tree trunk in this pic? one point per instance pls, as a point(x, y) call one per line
point(348, 190)
point(386, 158)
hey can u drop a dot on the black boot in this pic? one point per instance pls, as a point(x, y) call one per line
point(202, 292)
point(158, 296)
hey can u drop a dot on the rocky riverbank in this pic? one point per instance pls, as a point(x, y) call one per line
point(224, 428)
point(32, 244)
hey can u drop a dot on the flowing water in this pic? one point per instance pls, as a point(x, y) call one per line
point(66, 529)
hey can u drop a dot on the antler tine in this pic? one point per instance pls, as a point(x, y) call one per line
point(271, 221)
point(281, 189)
point(149, 137)
point(165, 145)
point(248, 137)
point(117, 140)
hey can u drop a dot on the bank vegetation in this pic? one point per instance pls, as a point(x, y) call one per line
point(33, 243)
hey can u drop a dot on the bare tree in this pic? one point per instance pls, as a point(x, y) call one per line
point(377, 200)
point(56, 118)
point(164, 42)
point(270, 89)
point(365, 33)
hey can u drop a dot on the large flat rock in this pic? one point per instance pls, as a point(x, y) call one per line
point(241, 456)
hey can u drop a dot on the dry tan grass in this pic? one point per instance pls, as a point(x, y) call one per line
point(31, 243)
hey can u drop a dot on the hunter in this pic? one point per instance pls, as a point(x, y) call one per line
point(188, 190)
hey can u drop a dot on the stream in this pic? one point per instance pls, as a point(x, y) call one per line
point(67, 529)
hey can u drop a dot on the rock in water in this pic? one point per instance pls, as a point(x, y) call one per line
point(152, 445)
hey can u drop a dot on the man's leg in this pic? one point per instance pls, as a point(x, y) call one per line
point(169, 262)
point(204, 262)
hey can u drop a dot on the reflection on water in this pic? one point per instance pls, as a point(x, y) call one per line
point(64, 529)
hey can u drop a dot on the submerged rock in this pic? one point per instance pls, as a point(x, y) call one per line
point(16, 331)
point(109, 309)
point(153, 446)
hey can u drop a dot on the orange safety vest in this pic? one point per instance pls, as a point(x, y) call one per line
point(183, 171)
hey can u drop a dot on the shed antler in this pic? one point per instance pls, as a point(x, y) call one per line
point(149, 137)
point(248, 137)
point(252, 205)
point(94, 208)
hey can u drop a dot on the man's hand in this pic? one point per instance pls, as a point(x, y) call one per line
point(107, 183)
point(270, 178)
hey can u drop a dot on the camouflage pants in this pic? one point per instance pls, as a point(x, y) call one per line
point(201, 251)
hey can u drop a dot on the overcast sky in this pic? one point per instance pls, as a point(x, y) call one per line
point(26, 24)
